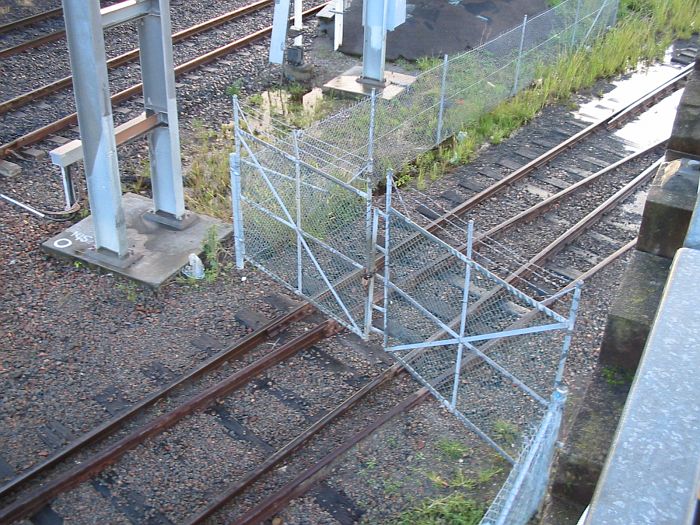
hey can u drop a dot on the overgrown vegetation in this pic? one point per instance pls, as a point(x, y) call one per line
point(452, 448)
point(617, 376)
point(645, 30)
point(455, 509)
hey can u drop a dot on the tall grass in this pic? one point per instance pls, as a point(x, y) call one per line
point(644, 31)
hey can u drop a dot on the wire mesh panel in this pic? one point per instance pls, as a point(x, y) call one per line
point(526, 485)
point(468, 335)
point(442, 100)
point(304, 227)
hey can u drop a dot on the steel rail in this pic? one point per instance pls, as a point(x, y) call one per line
point(69, 120)
point(294, 445)
point(271, 329)
point(29, 20)
point(563, 240)
point(530, 213)
point(616, 117)
point(32, 502)
point(129, 56)
point(303, 482)
point(31, 44)
point(319, 470)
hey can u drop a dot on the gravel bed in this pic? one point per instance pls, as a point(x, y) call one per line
point(111, 335)
point(29, 71)
point(13, 10)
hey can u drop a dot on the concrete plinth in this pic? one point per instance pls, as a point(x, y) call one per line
point(685, 138)
point(581, 460)
point(156, 252)
point(668, 209)
point(632, 315)
point(347, 85)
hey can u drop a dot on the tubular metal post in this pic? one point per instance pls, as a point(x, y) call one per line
point(297, 172)
point(387, 252)
point(613, 13)
point(374, 21)
point(91, 89)
point(370, 138)
point(238, 234)
point(569, 334)
point(370, 263)
point(68, 188)
point(236, 126)
point(441, 111)
point(576, 22)
point(298, 19)
point(156, 55)
point(520, 56)
point(595, 21)
point(465, 307)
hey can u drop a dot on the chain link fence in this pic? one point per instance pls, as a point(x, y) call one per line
point(521, 495)
point(442, 100)
point(459, 322)
point(302, 226)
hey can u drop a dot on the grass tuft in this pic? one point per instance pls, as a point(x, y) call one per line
point(644, 31)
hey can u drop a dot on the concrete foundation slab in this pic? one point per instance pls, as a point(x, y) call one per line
point(156, 252)
point(347, 85)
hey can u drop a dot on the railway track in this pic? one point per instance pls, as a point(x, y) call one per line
point(124, 58)
point(387, 382)
point(30, 20)
point(183, 68)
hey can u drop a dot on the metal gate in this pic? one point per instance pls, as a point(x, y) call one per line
point(302, 226)
point(468, 335)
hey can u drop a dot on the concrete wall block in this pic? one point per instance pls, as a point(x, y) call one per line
point(632, 314)
point(668, 209)
point(685, 137)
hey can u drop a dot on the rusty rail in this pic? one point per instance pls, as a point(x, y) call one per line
point(70, 120)
point(129, 56)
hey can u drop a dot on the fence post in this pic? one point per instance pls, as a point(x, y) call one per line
point(236, 126)
point(297, 203)
point(236, 201)
point(595, 21)
point(370, 264)
point(520, 56)
point(441, 111)
point(465, 309)
point(370, 138)
point(576, 22)
point(387, 251)
point(238, 235)
point(569, 334)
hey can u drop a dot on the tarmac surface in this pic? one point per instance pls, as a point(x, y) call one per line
point(461, 27)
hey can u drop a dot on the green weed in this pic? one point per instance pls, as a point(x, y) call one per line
point(211, 250)
point(129, 288)
point(455, 509)
point(617, 376)
point(234, 88)
point(427, 63)
point(453, 449)
point(506, 431)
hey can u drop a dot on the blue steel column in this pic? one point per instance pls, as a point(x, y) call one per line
point(159, 97)
point(374, 18)
point(92, 100)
